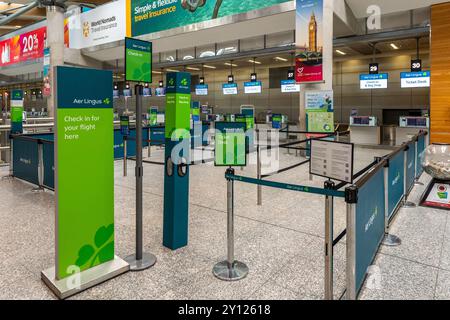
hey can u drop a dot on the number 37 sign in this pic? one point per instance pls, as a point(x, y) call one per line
point(29, 45)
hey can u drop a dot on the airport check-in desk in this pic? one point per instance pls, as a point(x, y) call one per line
point(365, 131)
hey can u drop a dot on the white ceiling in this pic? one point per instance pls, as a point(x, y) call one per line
point(359, 7)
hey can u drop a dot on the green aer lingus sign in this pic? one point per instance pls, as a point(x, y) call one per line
point(138, 60)
point(84, 171)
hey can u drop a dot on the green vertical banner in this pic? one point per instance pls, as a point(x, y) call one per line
point(84, 171)
point(153, 113)
point(176, 177)
point(16, 111)
point(138, 60)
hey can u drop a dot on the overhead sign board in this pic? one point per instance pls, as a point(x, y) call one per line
point(230, 88)
point(201, 90)
point(373, 81)
point(332, 160)
point(288, 86)
point(253, 87)
point(415, 79)
point(104, 24)
point(138, 60)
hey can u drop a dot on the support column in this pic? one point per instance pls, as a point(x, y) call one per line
point(55, 41)
point(327, 27)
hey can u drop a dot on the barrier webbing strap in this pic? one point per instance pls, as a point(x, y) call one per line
point(285, 169)
point(339, 238)
point(287, 186)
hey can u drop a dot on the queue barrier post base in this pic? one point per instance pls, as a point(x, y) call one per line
point(148, 260)
point(418, 183)
point(230, 272)
point(391, 240)
point(38, 189)
point(409, 205)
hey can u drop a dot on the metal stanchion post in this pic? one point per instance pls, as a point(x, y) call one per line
point(11, 171)
point(230, 270)
point(329, 237)
point(416, 178)
point(125, 157)
point(140, 260)
point(389, 240)
point(406, 204)
point(258, 169)
point(351, 198)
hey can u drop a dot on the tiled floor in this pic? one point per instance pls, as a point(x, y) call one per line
point(281, 242)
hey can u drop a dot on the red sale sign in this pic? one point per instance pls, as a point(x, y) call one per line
point(24, 47)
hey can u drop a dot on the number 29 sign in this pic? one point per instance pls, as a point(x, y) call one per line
point(27, 46)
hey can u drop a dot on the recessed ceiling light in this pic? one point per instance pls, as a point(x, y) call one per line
point(230, 64)
point(254, 61)
point(281, 59)
point(193, 68)
point(394, 46)
point(341, 52)
point(209, 67)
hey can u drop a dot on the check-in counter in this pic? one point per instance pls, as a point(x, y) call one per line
point(365, 130)
point(409, 127)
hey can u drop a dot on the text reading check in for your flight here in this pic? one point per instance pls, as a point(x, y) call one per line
point(75, 126)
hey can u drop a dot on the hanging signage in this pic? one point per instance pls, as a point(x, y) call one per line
point(201, 89)
point(160, 92)
point(148, 16)
point(416, 65)
point(230, 78)
point(253, 77)
point(288, 86)
point(24, 47)
point(291, 74)
point(104, 24)
point(84, 157)
point(230, 88)
point(253, 87)
point(16, 111)
point(230, 144)
point(373, 68)
point(147, 92)
point(309, 41)
point(331, 159)
point(415, 79)
point(138, 60)
point(373, 81)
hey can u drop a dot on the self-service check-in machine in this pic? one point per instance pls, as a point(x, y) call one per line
point(409, 127)
point(365, 130)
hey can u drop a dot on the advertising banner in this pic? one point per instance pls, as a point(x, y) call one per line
point(24, 47)
point(319, 111)
point(415, 79)
point(148, 16)
point(253, 87)
point(138, 60)
point(46, 90)
point(230, 144)
point(369, 224)
point(84, 175)
point(438, 196)
point(309, 41)
point(230, 88)
point(104, 24)
point(16, 111)
point(373, 81)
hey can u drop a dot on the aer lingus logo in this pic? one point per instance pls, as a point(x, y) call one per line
point(184, 82)
point(106, 101)
point(171, 81)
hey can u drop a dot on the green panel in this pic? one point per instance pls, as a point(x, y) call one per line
point(138, 60)
point(17, 114)
point(230, 144)
point(178, 108)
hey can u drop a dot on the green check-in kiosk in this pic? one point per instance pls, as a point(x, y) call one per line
point(176, 176)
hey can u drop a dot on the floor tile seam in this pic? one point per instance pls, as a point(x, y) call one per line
point(410, 260)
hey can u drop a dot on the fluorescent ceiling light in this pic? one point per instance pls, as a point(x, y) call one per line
point(341, 52)
point(157, 72)
point(18, 27)
point(281, 59)
point(193, 68)
point(254, 61)
point(393, 46)
point(230, 64)
point(188, 57)
point(172, 70)
point(207, 54)
point(209, 67)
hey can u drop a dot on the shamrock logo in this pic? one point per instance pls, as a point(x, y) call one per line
point(171, 81)
point(101, 251)
point(184, 82)
point(106, 101)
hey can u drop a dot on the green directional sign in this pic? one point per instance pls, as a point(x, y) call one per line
point(138, 60)
point(230, 144)
point(84, 171)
